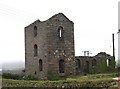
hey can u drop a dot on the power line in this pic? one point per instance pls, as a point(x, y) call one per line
point(15, 13)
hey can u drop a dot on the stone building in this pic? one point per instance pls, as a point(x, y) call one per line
point(49, 48)
point(99, 63)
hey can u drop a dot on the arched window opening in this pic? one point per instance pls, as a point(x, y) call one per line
point(87, 66)
point(60, 32)
point(78, 64)
point(35, 73)
point(94, 62)
point(40, 65)
point(35, 31)
point(61, 66)
point(35, 50)
point(109, 63)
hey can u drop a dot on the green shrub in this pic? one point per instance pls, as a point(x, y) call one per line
point(30, 77)
point(53, 76)
point(12, 76)
point(18, 76)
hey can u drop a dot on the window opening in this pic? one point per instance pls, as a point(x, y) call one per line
point(61, 66)
point(35, 31)
point(35, 50)
point(40, 65)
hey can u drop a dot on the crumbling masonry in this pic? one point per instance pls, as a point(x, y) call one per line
point(49, 48)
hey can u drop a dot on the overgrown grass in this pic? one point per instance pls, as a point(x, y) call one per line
point(54, 77)
point(101, 80)
point(18, 76)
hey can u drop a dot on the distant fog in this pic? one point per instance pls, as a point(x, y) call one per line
point(13, 65)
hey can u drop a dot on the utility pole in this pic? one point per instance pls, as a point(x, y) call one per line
point(113, 46)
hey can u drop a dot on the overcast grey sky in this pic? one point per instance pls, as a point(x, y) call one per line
point(94, 23)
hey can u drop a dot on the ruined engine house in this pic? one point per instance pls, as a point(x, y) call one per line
point(49, 48)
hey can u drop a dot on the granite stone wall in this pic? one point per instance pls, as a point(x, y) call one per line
point(99, 63)
point(49, 49)
point(55, 42)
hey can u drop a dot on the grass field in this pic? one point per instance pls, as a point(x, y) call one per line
point(93, 80)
